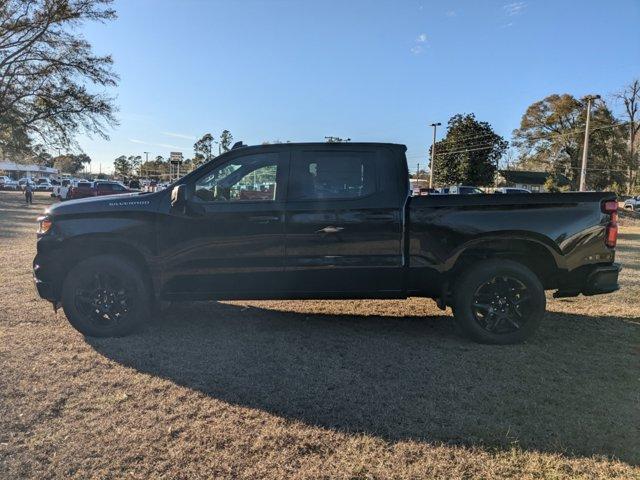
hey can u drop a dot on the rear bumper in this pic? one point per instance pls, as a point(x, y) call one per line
point(602, 280)
point(591, 281)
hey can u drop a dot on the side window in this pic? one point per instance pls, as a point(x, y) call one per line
point(332, 175)
point(117, 188)
point(251, 178)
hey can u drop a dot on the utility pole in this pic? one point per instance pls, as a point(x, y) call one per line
point(585, 149)
point(433, 153)
point(146, 160)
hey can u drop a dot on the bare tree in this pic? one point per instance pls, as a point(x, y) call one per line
point(630, 97)
point(48, 71)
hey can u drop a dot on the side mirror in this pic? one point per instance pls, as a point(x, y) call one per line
point(179, 195)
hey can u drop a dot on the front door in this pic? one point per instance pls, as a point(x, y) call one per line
point(229, 240)
point(343, 223)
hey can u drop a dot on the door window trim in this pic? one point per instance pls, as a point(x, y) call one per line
point(298, 153)
point(281, 176)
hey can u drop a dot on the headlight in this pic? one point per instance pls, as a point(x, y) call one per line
point(44, 224)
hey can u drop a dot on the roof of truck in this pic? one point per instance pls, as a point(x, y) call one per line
point(325, 145)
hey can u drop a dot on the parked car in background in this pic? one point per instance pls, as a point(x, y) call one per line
point(507, 190)
point(23, 181)
point(44, 185)
point(418, 191)
point(463, 190)
point(61, 191)
point(149, 185)
point(81, 189)
point(109, 188)
point(632, 203)
point(9, 184)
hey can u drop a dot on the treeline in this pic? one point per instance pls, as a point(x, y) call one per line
point(205, 149)
point(550, 138)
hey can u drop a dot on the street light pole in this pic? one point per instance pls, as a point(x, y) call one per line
point(433, 153)
point(585, 148)
point(146, 161)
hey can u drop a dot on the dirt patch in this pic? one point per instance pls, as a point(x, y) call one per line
point(314, 389)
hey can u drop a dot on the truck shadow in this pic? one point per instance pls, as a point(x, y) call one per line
point(570, 391)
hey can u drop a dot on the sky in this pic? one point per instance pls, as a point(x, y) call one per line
point(298, 70)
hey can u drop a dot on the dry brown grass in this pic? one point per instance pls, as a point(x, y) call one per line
point(354, 389)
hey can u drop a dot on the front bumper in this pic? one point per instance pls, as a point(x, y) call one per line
point(47, 270)
point(44, 288)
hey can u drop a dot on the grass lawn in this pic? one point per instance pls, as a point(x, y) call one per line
point(315, 389)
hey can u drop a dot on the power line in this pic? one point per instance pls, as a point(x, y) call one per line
point(466, 150)
point(551, 136)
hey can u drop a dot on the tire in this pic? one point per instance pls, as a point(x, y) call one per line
point(498, 302)
point(106, 296)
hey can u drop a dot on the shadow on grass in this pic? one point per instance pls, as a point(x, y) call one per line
point(572, 390)
point(16, 217)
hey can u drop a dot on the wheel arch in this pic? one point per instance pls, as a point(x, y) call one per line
point(80, 249)
point(533, 254)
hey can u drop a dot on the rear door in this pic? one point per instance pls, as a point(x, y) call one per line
point(104, 188)
point(344, 222)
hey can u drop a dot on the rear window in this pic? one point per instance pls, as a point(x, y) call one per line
point(332, 175)
point(84, 184)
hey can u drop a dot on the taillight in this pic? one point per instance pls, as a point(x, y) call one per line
point(611, 231)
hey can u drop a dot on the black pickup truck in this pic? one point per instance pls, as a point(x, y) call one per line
point(323, 221)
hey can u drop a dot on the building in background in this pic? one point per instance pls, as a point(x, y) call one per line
point(533, 181)
point(18, 170)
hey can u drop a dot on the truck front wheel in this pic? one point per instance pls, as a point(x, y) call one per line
point(105, 296)
point(498, 302)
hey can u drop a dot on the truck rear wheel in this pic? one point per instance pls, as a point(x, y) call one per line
point(499, 302)
point(105, 296)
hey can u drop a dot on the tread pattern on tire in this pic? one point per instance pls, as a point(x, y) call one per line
point(480, 272)
point(121, 266)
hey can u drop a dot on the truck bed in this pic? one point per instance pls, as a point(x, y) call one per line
point(554, 233)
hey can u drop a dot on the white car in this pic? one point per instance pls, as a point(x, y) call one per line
point(7, 183)
point(61, 191)
point(632, 203)
point(44, 185)
point(23, 181)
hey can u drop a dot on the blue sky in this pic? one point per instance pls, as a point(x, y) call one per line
point(368, 70)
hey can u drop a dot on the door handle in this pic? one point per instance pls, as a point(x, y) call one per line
point(264, 219)
point(330, 229)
